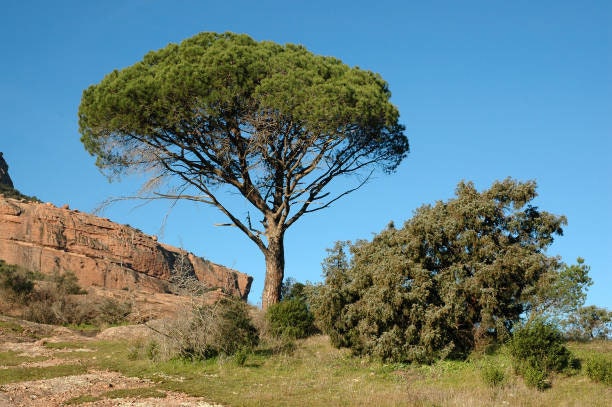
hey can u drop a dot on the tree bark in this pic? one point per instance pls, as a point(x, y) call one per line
point(275, 269)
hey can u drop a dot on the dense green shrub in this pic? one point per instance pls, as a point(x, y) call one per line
point(599, 369)
point(290, 318)
point(537, 349)
point(460, 273)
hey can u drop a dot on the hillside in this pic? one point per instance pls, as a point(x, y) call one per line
point(44, 238)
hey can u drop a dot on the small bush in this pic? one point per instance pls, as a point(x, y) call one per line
point(19, 286)
point(241, 356)
point(210, 330)
point(16, 283)
point(290, 318)
point(112, 312)
point(599, 369)
point(493, 375)
point(67, 283)
point(56, 299)
point(152, 350)
point(536, 377)
point(537, 349)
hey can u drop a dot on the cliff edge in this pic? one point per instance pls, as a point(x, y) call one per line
point(45, 238)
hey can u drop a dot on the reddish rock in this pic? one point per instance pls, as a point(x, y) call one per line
point(101, 253)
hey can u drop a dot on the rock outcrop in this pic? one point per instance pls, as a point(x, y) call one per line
point(44, 238)
point(5, 179)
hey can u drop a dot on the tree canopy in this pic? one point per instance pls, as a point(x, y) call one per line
point(588, 322)
point(459, 274)
point(273, 122)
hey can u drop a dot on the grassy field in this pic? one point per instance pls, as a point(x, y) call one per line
point(312, 373)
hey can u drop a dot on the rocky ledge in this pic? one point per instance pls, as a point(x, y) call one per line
point(48, 239)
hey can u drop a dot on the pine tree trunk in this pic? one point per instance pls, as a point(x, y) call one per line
point(275, 270)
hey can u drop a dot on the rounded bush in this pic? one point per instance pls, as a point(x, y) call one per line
point(493, 375)
point(290, 318)
point(537, 349)
point(599, 369)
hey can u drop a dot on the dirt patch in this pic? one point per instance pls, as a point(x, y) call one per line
point(128, 331)
point(29, 339)
point(56, 391)
point(16, 330)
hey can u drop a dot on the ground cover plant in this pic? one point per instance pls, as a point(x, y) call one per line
point(316, 374)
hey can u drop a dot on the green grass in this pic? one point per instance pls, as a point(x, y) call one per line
point(20, 374)
point(315, 374)
point(141, 392)
point(81, 400)
point(12, 358)
point(10, 326)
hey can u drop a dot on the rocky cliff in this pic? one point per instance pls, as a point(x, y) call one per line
point(5, 179)
point(42, 237)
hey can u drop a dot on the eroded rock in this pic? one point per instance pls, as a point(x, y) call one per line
point(101, 253)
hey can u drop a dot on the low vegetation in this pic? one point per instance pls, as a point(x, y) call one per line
point(538, 349)
point(9, 192)
point(316, 374)
point(599, 368)
point(117, 394)
point(55, 299)
point(203, 332)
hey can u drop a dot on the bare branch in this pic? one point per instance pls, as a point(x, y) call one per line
point(306, 206)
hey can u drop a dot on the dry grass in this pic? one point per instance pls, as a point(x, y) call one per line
point(313, 373)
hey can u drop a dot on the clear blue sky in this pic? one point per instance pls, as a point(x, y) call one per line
point(487, 89)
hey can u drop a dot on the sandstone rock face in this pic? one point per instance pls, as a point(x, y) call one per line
point(42, 237)
point(5, 179)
